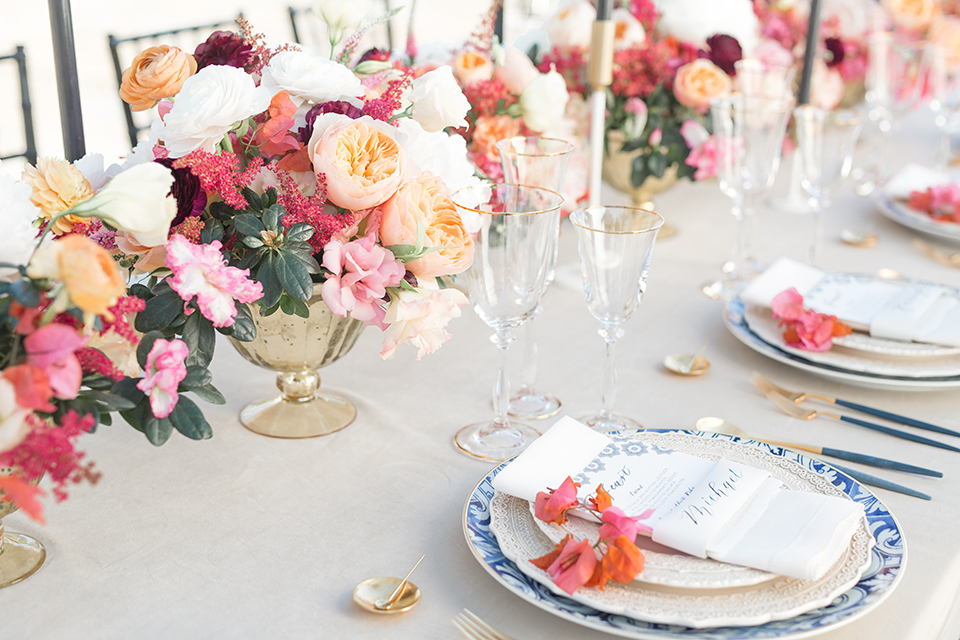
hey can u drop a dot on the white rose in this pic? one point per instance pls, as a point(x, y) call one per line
point(693, 21)
point(437, 100)
point(207, 108)
point(310, 78)
point(419, 318)
point(544, 102)
point(572, 25)
point(13, 418)
point(442, 155)
point(340, 15)
point(17, 214)
point(137, 201)
point(629, 32)
point(91, 166)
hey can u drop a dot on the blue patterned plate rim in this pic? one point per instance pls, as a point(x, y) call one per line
point(901, 214)
point(877, 583)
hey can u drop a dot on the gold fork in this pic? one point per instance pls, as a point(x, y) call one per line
point(766, 386)
point(795, 410)
point(472, 627)
point(941, 257)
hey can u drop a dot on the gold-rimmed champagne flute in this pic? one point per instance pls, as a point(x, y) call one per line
point(513, 249)
point(535, 162)
point(616, 244)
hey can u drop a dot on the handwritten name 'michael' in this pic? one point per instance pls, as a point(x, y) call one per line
point(717, 492)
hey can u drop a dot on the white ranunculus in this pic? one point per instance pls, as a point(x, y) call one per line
point(310, 78)
point(17, 214)
point(572, 25)
point(442, 155)
point(693, 21)
point(437, 100)
point(340, 15)
point(544, 102)
point(207, 108)
point(137, 201)
point(629, 31)
point(91, 166)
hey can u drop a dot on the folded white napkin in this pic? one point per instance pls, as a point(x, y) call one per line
point(723, 510)
point(887, 309)
point(915, 177)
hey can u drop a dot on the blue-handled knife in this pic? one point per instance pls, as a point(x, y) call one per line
point(874, 481)
point(862, 458)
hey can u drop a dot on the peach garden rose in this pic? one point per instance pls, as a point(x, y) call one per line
point(914, 15)
point(362, 160)
point(471, 67)
point(156, 73)
point(423, 202)
point(488, 129)
point(699, 82)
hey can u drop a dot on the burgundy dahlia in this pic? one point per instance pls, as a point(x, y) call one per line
point(186, 190)
point(337, 106)
point(380, 55)
point(225, 48)
point(835, 47)
point(724, 52)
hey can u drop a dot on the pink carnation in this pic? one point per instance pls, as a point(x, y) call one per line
point(200, 270)
point(164, 371)
point(361, 272)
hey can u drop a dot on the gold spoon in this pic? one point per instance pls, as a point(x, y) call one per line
point(372, 594)
point(859, 238)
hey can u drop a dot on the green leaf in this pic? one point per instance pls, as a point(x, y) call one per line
point(248, 261)
point(159, 312)
point(307, 260)
point(106, 419)
point(657, 163)
point(269, 197)
point(243, 327)
point(188, 420)
point(197, 376)
point(212, 231)
point(251, 196)
point(269, 311)
point(112, 401)
point(222, 211)
point(146, 344)
point(248, 224)
point(254, 242)
point(300, 232)
point(209, 393)
point(201, 338)
point(272, 216)
point(98, 382)
point(267, 276)
point(639, 171)
point(158, 430)
point(25, 293)
point(139, 291)
point(127, 388)
point(293, 276)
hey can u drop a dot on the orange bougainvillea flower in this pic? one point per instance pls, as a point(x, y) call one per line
point(601, 501)
point(543, 562)
point(621, 563)
point(553, 506)
point(274, 136)
point(24, 495)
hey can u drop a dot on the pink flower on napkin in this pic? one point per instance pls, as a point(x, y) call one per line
point(361, 271)
point(164, 371)
point(575, 565)
point(616, 523)
point(787, 305)
point(805, 328)
point(553, 506)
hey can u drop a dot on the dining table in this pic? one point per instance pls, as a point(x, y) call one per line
point(246, 536)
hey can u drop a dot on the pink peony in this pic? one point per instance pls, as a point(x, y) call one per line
point(420, 320)
point(574, 567)
point(51, 349)
point(164, 371)
point(361, 271)
point(201, 270)
point(553, 506)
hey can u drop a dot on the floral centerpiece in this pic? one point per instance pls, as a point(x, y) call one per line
point(269, 174)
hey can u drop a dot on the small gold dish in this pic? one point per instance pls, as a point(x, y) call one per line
point(859, 238)
point(370, 591)
point(685, 364)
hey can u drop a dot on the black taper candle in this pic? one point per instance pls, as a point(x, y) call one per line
point(813, 29)
point(68, 86)
point(604, 8)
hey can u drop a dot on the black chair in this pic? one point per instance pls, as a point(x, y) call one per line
point(306, 27)
point(190, 37)
point(30, 153)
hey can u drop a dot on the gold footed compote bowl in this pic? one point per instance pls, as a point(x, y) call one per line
point(20, 555)
point(295, 348)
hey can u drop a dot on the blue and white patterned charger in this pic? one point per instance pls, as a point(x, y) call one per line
point(885, 570)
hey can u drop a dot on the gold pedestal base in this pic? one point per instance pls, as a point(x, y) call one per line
point(20, 557)
point(283, 418)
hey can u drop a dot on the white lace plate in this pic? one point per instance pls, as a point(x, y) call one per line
point(520, 540)
point(893, 363)
point(900, 213)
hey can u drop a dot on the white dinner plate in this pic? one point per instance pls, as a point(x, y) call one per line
point(900, 213)
point(886, 558)
point(733, 318)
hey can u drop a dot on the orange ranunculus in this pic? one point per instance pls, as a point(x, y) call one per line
point(89, 274)
point(699, 82)
point(471, 67)
point(914, 15)
point(156, 73)
point(423, 202)
point(361, 160)
point(57, 186)
point(488, 129)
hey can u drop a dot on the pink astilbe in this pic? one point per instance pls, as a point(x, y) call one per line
point(94, 361)
point(121, 321)
point(101, 235)
point(51, 450)
point(262, 54)
point(569, 63)
point(389, 102)
point(310, 209)
point(163, 373)
point(200, 270)
point(190, 229)
point(221, 174)
point(481, 40)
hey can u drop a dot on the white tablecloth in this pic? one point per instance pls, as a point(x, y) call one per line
point(244, 536)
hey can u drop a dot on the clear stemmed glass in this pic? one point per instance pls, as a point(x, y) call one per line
point(825, 140)
point(944, 99)
point(615, 248)
point(756, 77)
point(512, 254)
point(749, 134)
point(535, 162)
